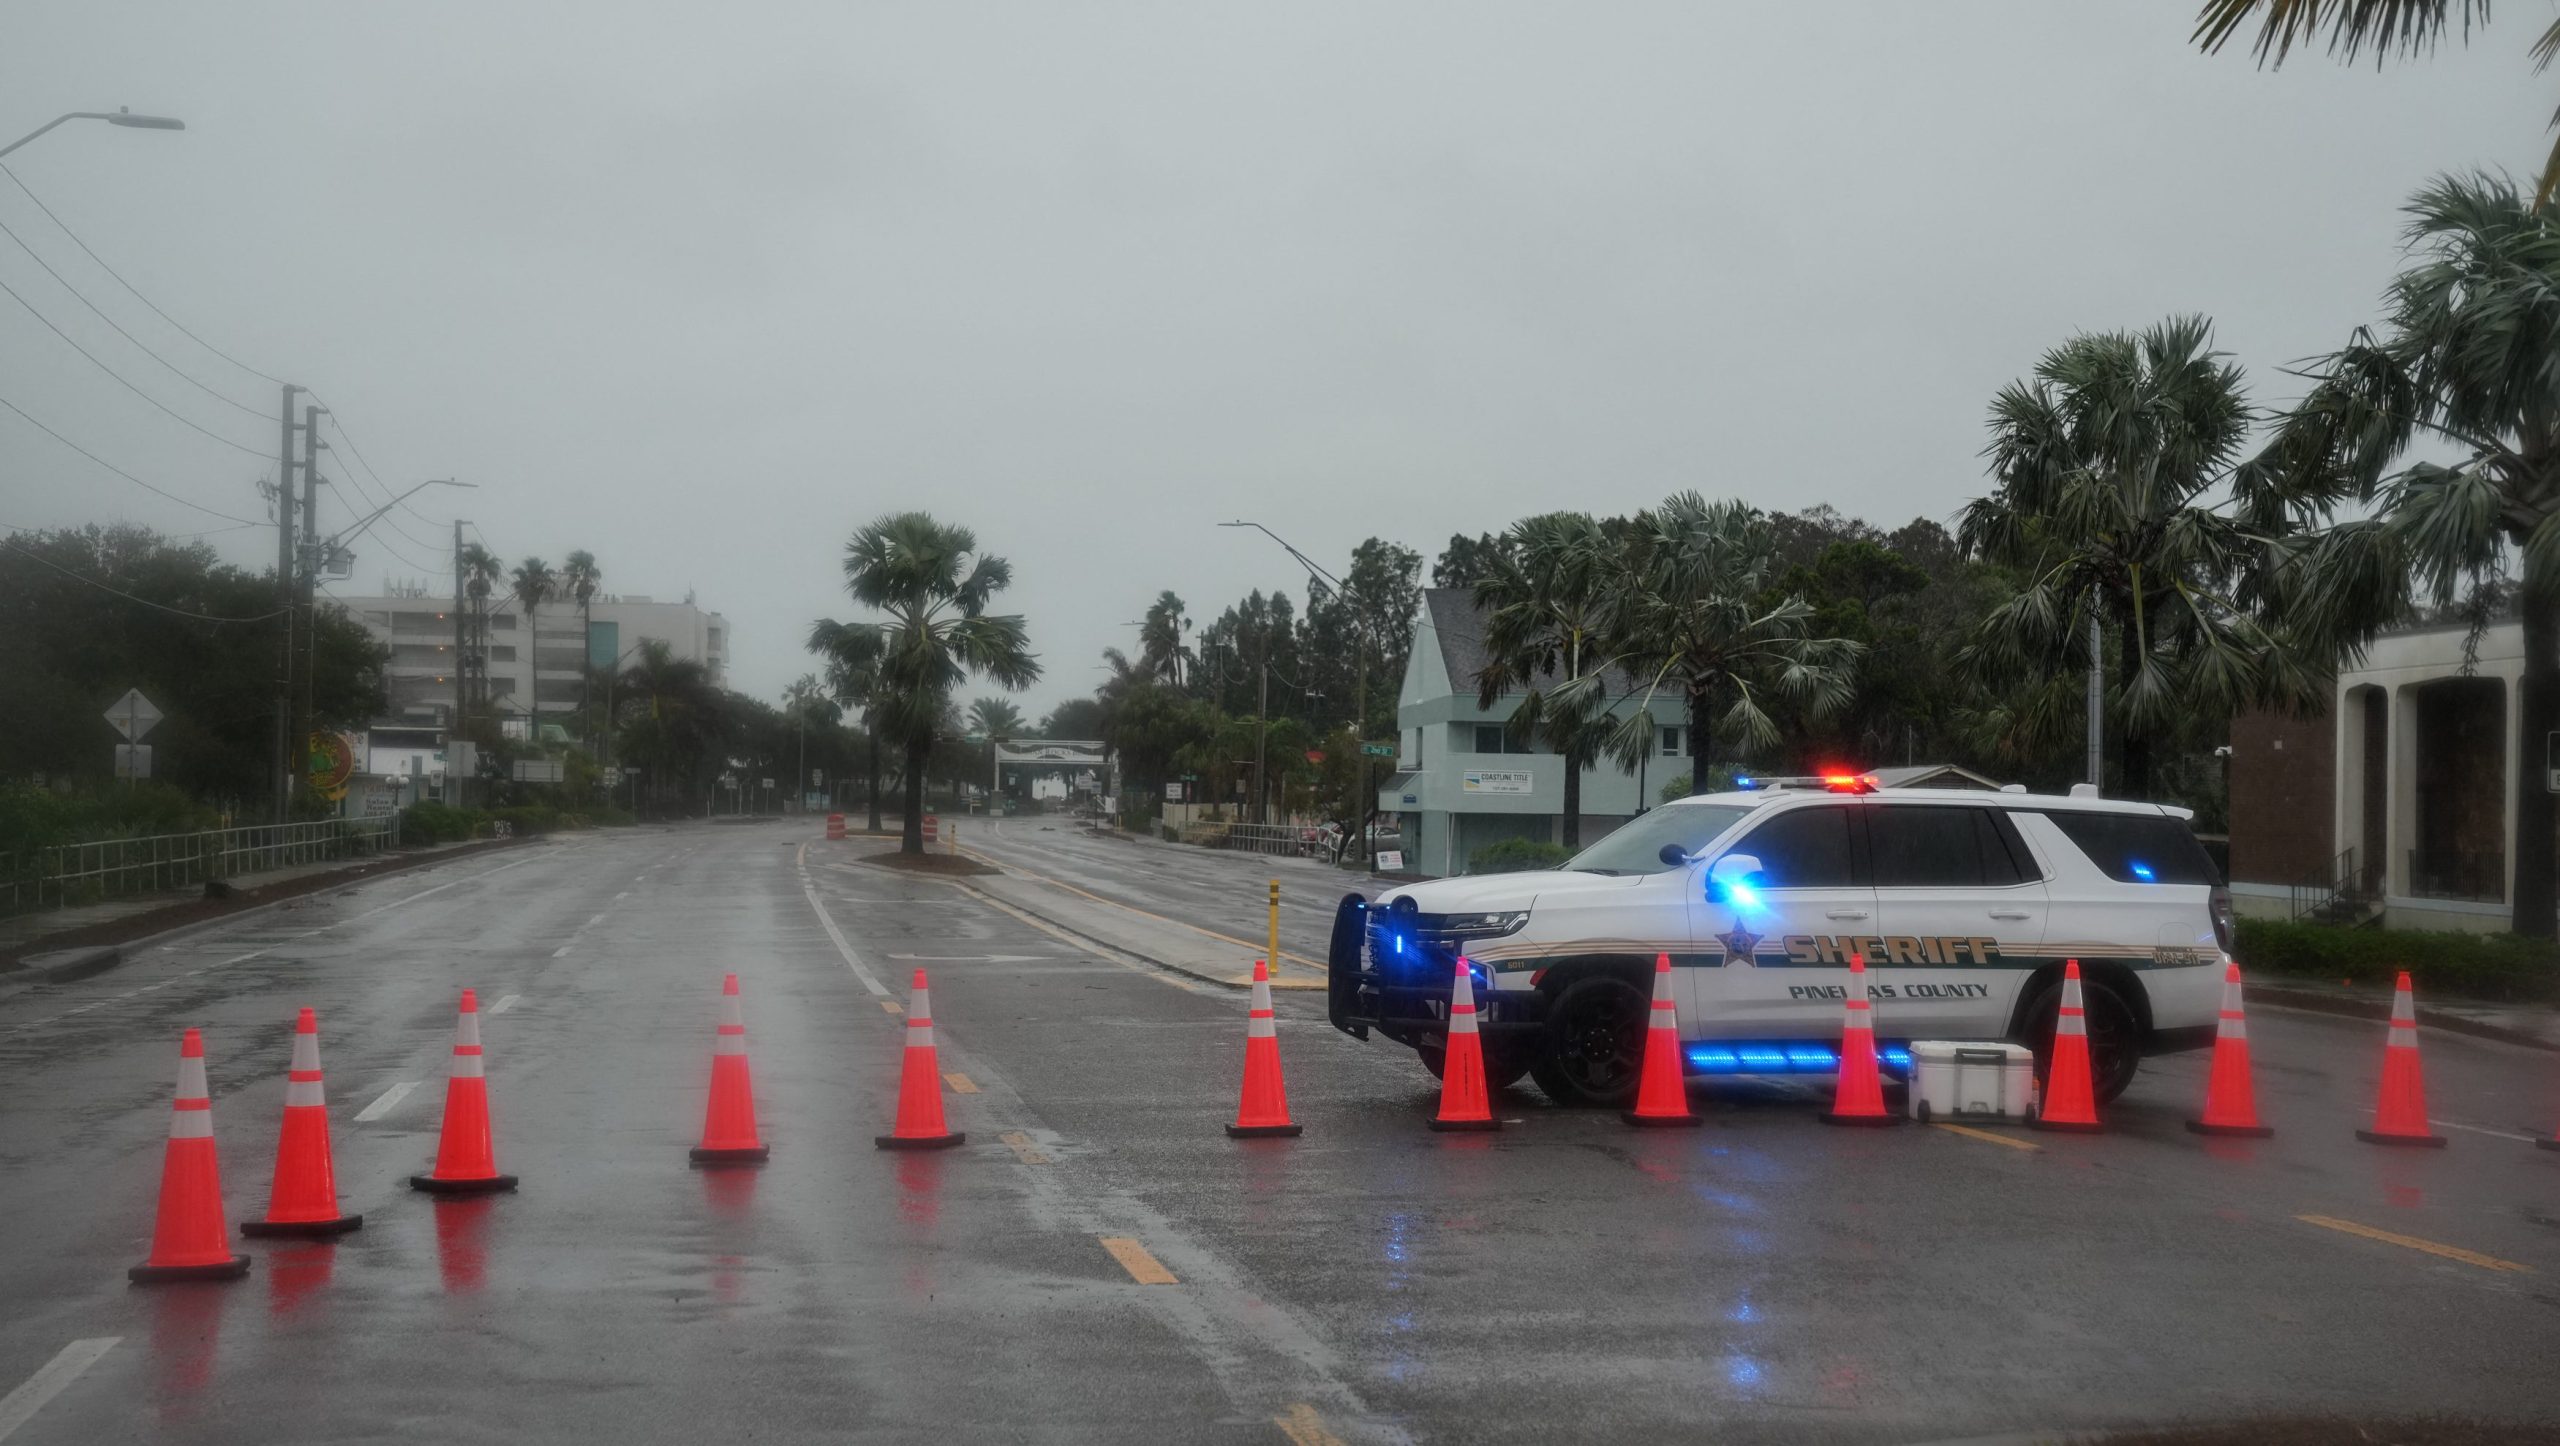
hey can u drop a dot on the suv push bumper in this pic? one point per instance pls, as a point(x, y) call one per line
point(1408, 1007)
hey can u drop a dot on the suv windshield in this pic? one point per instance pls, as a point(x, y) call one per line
point(1636, 848)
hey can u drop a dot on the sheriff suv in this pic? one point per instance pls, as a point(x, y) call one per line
point(1964, 905)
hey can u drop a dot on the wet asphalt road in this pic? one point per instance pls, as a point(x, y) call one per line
point(1761, 1279)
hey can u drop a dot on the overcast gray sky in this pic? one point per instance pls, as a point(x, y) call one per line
point(702, 288)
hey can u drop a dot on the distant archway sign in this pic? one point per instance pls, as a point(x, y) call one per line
point(1071, 756)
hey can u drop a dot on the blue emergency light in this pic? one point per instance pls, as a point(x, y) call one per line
point(1787, 1057)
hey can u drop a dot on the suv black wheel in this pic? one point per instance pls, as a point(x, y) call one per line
point(1503, 1065)
point(1594, 1043)
point(2115, 1036)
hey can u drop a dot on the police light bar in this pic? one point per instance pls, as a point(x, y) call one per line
point(1832, 782)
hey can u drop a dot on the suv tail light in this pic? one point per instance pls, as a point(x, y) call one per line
point(2219, 903)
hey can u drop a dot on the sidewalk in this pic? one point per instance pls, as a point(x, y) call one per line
point(2534, 1025)
point(1166, 943)
point(119, 919)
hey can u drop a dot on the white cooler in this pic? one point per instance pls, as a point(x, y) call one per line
point(1969, 1080)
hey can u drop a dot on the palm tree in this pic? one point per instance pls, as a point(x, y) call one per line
point(2102, 463)
point(801, 699)
point(1161, 654)
point(481, 573)
point(852, 656)
point(998, 721)
point(2464, 361)
point(1686, 608)
point(579, 577)
point(934, 586)
point(1542, 593)
point(670, 716)
point(534, 584)
point(2410, 27)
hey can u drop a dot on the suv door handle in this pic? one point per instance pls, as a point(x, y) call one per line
point(1844, 913)
point(2011, 914)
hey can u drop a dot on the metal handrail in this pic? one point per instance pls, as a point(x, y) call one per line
point(63, 874)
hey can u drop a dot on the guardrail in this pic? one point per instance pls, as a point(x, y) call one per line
point(85, 873)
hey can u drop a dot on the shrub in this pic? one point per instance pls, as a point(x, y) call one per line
point(2477, 966)
point(531, 818)
point(428, 821)
point(1516, 855)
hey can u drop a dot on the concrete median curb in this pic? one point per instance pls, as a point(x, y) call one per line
point(2380, 1009)
point(61, 966)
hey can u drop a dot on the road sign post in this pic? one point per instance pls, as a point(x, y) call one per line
point(134, 716)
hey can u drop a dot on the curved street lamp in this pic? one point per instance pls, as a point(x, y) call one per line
point(118, 117)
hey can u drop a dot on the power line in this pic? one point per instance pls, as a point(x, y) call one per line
point(358, 453)
point(119, 471)
point(120, 378)
point(129, 286)
point(120, 592)
point(120, 331)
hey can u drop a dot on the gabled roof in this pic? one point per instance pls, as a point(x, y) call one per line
point(1459, 624)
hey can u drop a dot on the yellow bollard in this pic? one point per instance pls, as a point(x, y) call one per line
point(1275, 927)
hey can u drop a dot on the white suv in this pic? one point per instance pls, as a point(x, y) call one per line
point(1964, 904)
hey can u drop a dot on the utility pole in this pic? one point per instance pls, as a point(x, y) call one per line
point(461, 687)
point(308, 553)
point(1262, 731)
point(283, 750)
point(2097, 696)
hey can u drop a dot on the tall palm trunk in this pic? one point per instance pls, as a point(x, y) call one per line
point(1701, 708)
point(1572, 831)
point(2135, 752)
point(587, 674)
point(871, 783)
point(2538, 714)
point(912, 840)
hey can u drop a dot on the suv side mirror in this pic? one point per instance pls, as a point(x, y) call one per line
point(1733, 879)
point(1674, 855)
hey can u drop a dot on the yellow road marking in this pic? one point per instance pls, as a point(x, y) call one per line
point(1143, 1268)
point(2411, 1242)
point(1304, 1427)
point(1970, 1133)
point(961, 1084)
point(893, 1006)
point(1023, 1149)
point(1250, 947)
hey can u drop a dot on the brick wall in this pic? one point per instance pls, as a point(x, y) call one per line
point(2283, 798)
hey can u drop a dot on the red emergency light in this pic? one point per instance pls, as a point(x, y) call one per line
point(1850, 782)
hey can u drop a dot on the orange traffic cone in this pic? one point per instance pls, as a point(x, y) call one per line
point(729, 1125)
point(466, 1163)
point(1662, 1099)
point(304, 1198)
point(1859, 1100)
point(188, 1239)
point(2230, 1102)
point(2400, 1115)
point(920, 1125)
point(2070, 1102)
point(1463, 1101)
point(1263, 1112)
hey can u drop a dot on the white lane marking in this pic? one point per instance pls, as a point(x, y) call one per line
point(438, 889)
point(592, 922)
point(618, 898)
point(49, 1379)
point(561, 952)
point(385, 1102)
point(2476, 1130)
point(809, 892)
point(505, 1003)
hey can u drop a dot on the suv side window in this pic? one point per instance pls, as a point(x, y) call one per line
point(1924, 847)
point(2134, 848)
point(1804, 848)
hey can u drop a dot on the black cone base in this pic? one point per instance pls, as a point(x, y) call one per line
point(2242, 1132)
point(1265, 1132)
point(919, 1142)
point(2423, 1142)
point(2547, 1142)
point(299, 1229)
point(1661, 1122)
point(749, 1155)
point(1865, 1121)
point(232, 1269)
point(1466, 1126)
point(487, 1185)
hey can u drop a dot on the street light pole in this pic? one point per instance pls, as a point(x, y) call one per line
point(113, 118)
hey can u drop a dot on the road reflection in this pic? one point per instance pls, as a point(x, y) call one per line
point(186, 1325)
point(462, 1243)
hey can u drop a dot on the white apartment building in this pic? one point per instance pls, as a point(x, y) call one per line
point(531, 674)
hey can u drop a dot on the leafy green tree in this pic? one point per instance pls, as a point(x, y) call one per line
point(1074, 718)
point(2463, 361)
point(1687, 609)
point(934, 585)
point(998, 721)
point(1544, 596)
point(1467, 559)
point(2105, 464)
point(2408, 27)
point(670, 722)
